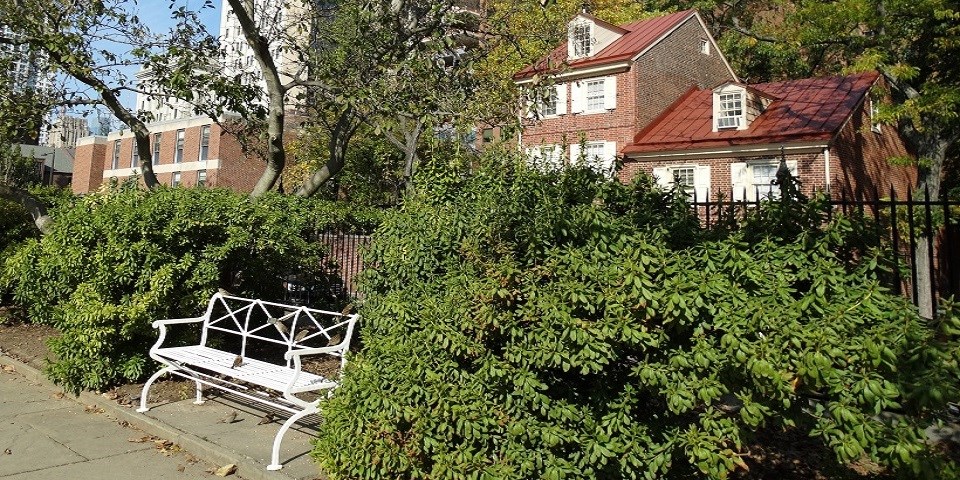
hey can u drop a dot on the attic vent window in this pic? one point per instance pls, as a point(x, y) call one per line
point(704, 46)
point(581, 40)
point(731, 110)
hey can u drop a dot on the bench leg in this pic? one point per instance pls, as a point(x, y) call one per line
point(275, 458)
point(199, 400)
point(146, 388)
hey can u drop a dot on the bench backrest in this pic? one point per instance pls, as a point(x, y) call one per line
point(293, 327)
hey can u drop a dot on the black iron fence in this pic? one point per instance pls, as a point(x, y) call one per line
point(344, 261)
point(922, 236)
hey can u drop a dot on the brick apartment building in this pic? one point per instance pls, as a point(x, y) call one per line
point(659, 94)
point(186, 151)
point(614, 80)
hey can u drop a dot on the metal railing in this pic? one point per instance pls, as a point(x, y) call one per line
point(922, 236)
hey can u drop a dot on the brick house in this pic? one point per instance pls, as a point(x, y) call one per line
point(730, 139)
point(659, 94)
point(606, 82)
point(186, 151)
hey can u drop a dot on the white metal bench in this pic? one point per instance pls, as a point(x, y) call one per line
point(226, 358)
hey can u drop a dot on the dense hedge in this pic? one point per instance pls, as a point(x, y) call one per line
point(540, 324)
point(119, 259)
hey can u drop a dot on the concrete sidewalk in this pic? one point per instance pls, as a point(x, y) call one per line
point(45, 434)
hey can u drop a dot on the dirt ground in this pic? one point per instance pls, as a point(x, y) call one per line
point(774, 454)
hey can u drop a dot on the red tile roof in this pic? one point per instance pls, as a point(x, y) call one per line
point(803, 110)
point(640, 35)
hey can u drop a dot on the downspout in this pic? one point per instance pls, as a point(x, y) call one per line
point(826, 169)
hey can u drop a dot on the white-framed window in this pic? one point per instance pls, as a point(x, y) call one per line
point(175, 179)
point(201, 178)
point(552, 102)
point(597, 153)
point(595, 95)
point(116, 155)
point(546, 155)
point(549, 105)
point(135, 156)
point(693, 179)
point(730, 110)
point(204, 142)
point(581, 39)
point(705, 46)
point(178, 156)
point(756, 179)
point(156, 148)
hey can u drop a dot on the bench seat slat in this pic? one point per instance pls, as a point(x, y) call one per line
point(275, 377)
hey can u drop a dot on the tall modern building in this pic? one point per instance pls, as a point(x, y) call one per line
point(25, 74)
point(65, 130)
point(25, 67)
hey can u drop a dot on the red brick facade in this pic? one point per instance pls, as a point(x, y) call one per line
point(646, 87)
point(225, 166)
point(858, 161)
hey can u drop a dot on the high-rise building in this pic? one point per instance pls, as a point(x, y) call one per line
point(65, 130)
point(25, 76)
point(24, 65)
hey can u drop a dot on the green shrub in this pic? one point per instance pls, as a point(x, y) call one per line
point(528, 324)
point(119, 260)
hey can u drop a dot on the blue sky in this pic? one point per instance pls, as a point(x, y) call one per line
point(156, 15)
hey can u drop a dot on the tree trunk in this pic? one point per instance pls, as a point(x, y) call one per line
point(276, 156)
point(339, 141)
point(928, 188)
point(34, 207)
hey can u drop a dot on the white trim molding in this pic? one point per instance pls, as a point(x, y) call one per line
point(165, 168)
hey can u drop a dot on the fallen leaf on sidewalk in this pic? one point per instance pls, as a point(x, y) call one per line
point(8, 368)
point(161, 443)
point(181, 468)
point(8, 452)
point(111, 395)
point(226, 470)
point(92, 409)
point(58, 395)
point(144, 439)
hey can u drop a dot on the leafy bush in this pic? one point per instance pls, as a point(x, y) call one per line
point(529, 324)
point(118, 260)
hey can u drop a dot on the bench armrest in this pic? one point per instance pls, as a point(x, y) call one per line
point(174, 321)
point(312, 351)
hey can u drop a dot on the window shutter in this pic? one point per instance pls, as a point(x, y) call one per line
point(561, 98)
point(701, 182)
point(609, 156)
point(576, 97)
point(738, 180)
point(610, 93)
point(575, 154)
point(662, 175)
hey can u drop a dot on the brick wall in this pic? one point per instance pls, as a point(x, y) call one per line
point(234, 170)
point(671, 67)
point(654, 82)
point(810, 170)
point(88, 164)
point(863, 159)
point(858, 157)
point(614, 125)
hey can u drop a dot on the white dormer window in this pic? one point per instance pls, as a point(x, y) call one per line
point(582, 39)
point(704, 46)
point(730, 114)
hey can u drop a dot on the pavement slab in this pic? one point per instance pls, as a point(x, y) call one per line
point(51, 435)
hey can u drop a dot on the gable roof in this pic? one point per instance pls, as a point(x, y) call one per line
point(639, 36)
point(810, 109)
